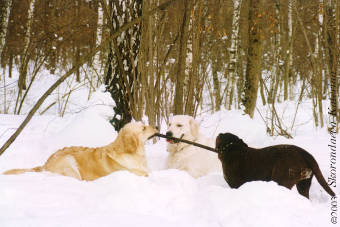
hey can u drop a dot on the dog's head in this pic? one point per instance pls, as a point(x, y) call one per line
point(223, 140)
point(184, 127)
point(135, 134)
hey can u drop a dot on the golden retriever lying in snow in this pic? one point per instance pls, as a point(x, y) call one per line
point(84, 163)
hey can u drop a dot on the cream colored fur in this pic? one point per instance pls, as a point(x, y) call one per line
point(85, 163)
point(196, 161)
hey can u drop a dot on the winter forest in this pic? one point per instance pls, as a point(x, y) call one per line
point(180, 57)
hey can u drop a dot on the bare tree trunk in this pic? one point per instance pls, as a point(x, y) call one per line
point(289, 58)
point(143, 98)
point(97, 65)
point(100, 23)
point(243, 51)
point(217, 88)
point(253, 72)
point(4, 16)
point(318, 65)
point(317, 57)
point(277, 46)
point(233, 50)
point(25, 57)
point(4, 93)
point(181, 60)
point(194, 77)
point(76, 43)
point(121, 77)
point(150, 72)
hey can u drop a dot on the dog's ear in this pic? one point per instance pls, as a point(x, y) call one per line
point(241, 142)
point(130, 142)
point(193, 128)
point(218, 141)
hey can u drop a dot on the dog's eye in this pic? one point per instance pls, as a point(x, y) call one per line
point(144, 128)
point(179, 125)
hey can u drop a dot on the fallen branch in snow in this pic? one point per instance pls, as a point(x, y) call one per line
point(82, 61)
point(186, 141)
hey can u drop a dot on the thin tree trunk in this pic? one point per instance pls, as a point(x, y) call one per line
point(143, 98)
point(76, 43)
point(25, 57)
point(234, 38)
point(10, 65)
point(100, 23)
point(4, 18)
point(181, 60)
point(289, 61)
point(243, 50)
point(253, 72)
point(277, 46)
point(233, 50)
point(5, 92)
point(193, 83)
point(318, 65)
point(151, 72)
point(97, 65)
point(217, 88)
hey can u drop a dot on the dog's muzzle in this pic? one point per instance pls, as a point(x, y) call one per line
point(157, 128)
point(169, 133)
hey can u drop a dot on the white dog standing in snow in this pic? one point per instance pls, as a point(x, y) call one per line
point(196, 161)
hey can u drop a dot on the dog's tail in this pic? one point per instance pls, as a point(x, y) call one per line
point(317, 172)
point(19, 171)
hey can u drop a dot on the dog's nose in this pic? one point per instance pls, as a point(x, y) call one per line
point(168, 133)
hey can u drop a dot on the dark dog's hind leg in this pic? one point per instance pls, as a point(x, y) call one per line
point(303, 187)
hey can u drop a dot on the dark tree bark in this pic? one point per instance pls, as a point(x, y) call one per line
point(121, 77)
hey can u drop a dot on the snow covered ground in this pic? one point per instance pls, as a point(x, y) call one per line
point(166, 197)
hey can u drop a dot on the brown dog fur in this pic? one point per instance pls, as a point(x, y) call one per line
point(288, 165)
point(84, 163)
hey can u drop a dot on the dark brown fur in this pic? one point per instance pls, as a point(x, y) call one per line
point(288, 165)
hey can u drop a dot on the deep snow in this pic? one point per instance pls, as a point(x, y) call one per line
point(166, 197)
